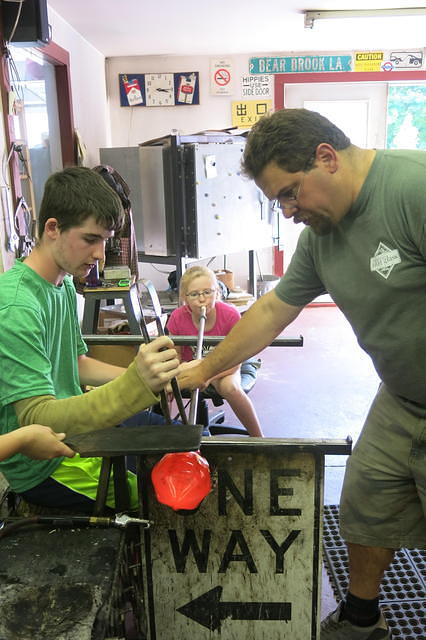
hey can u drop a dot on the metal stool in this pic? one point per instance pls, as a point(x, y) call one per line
point(121, 488)
point(92, 302)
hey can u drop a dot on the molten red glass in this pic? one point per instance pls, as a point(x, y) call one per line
point(181, 480)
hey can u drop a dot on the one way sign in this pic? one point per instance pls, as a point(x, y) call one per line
point(246, 564)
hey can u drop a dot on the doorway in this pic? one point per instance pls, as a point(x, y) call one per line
point(357, 108)
point(37, 125)
point(373, 111)
point(35, 85)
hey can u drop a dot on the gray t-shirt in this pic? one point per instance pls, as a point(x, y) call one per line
point(373, 265)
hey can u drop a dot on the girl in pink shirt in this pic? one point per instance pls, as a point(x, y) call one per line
point(198, 288)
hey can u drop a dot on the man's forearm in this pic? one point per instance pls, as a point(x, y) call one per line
point(256, 330)
point(222, 374)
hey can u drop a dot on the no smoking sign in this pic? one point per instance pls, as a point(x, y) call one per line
point(222, 77)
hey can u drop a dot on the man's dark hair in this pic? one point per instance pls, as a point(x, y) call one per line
point(77, 193)
point(289, 138)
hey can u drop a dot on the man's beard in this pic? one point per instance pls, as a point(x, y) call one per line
point(320, 224)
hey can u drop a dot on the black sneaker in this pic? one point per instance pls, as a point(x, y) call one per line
point(334, 629)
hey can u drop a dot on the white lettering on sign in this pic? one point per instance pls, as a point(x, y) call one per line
point(300, 64)
point(303, 65)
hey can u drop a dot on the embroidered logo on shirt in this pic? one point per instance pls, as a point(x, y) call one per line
point(384, 260)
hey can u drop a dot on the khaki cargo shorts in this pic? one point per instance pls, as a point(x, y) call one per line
point(383, 502)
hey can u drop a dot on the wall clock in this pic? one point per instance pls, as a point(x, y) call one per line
point(159, 89)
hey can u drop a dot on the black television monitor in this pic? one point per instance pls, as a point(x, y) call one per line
point(33, 25)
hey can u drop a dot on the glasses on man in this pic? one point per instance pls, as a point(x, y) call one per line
point(288, 199)
point(206, 293)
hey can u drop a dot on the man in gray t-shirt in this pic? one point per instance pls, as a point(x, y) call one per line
point(365, 244)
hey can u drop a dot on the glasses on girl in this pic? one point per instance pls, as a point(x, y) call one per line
point(206, 293)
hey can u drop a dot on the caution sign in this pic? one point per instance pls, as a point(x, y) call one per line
point(246, 564)
point(245, 113)
point(221, 81)
point(369, 60)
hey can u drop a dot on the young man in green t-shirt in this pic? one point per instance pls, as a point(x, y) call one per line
point(43, 355)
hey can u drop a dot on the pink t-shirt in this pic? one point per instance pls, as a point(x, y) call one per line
point(180, 324)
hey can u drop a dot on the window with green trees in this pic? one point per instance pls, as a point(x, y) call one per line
point(406, 121)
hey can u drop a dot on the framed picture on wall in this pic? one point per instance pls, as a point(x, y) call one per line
point(187, 88)
point(159, 89)
point(132, 89)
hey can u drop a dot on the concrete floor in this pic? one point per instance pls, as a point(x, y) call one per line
point(320, 390)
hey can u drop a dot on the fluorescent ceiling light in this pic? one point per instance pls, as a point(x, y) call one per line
point(311, 16)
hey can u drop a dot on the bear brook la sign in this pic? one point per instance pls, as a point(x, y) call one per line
point(246, 564)
point(300, 64)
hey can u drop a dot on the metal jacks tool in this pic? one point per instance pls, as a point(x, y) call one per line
point(152, 293)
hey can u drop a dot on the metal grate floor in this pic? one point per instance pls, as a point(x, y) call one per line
point(403, 592)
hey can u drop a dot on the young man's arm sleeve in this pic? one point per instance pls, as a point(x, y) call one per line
point(105, 406)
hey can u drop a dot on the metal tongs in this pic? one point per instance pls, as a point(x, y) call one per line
point(152, 293)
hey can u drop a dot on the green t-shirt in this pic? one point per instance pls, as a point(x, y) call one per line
point(39, 348)
point(373, 265)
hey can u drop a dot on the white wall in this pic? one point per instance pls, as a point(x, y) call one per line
point(101, 122)
point(88, 87)
point(133, 125)
point(90, 109)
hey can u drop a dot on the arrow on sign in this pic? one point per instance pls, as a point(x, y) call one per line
point(208, 611)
